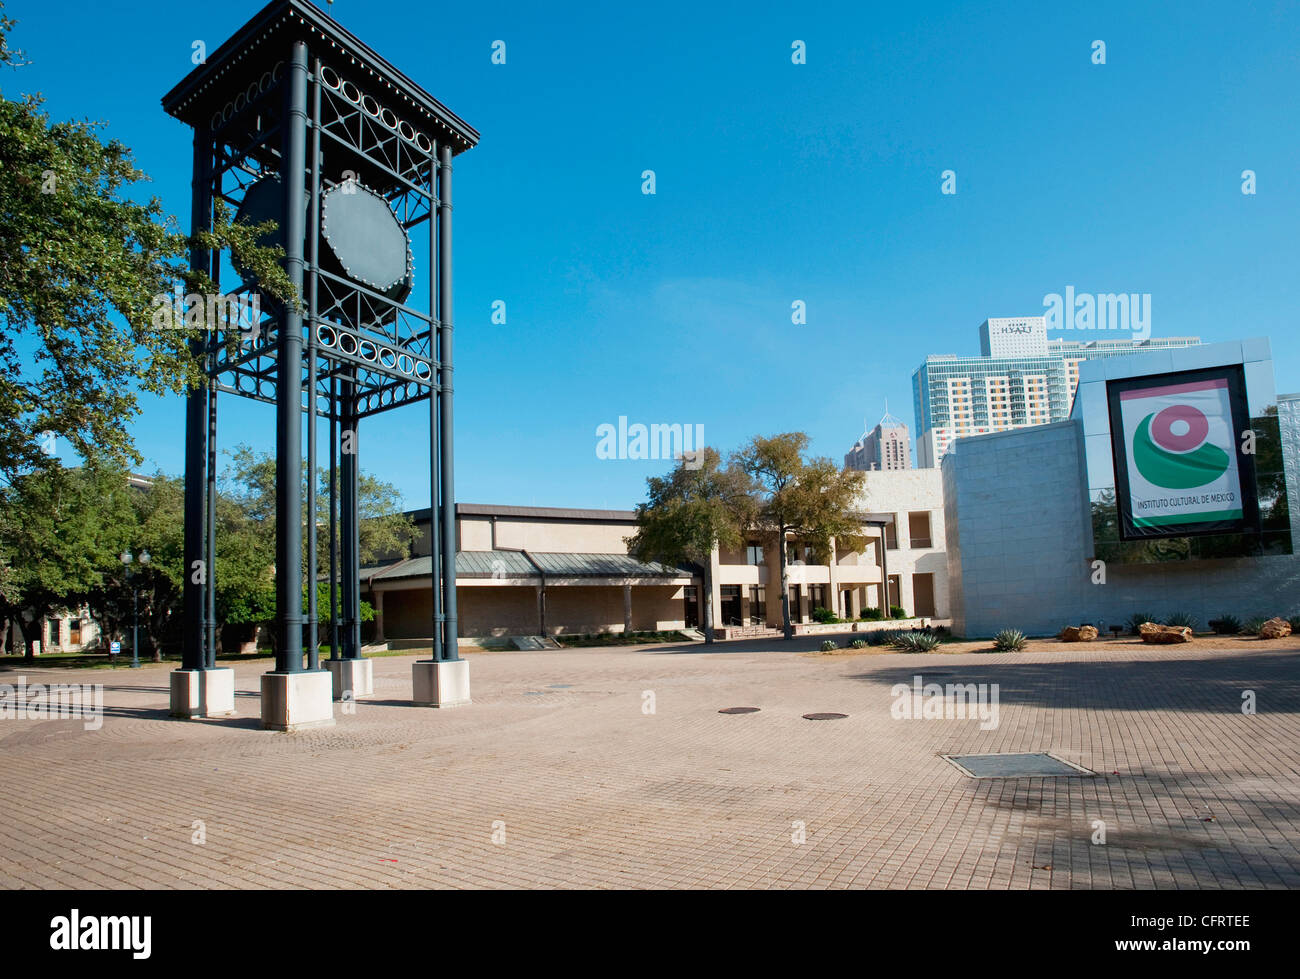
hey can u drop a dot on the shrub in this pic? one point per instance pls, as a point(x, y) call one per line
point(858, 644)
point(1253, 624)
point(897, 612)
point(882, 637)
point(1136, 619)
point(824, 615)
point(915, 642)
point(1181, 619)
point(1226, 625)
point(829, 646)
point(1009, 641)
point(1295, 623)
point(871, 614)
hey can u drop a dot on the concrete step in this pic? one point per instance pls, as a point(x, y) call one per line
point(534, 642)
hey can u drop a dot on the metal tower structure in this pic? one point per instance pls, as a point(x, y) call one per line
point(297, 120)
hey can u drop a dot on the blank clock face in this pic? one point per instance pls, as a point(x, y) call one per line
point(361, 237)
point(366, 238)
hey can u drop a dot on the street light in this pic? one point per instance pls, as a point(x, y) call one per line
point(126, 558)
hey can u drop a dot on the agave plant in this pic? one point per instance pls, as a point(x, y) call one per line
point(1136, 619)
point(915, 642)
point(882, 637)
point(1011, 640)
point(858, 644)
point(1226, 625)
point(829, 646)
point(1253, 625)
point(1180, 619)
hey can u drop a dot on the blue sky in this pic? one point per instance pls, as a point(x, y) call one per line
point(776, 182)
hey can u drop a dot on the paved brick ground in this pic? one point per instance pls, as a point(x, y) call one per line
point(594, 792)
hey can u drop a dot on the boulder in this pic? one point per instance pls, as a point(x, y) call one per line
point(1275, 629)
point(1164, 634)
point(1081, 633)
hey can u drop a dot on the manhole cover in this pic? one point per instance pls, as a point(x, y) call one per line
point(739, 710)
point(1029, 765)
point(823, 717)
point(533, 693)
point(560, 686)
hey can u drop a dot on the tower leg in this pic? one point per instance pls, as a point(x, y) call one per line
point(292, 697)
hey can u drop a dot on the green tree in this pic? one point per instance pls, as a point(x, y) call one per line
point(700, 505)
point(81, 269)
point(811, 499)
point(60, 529)
point(155, 525)
point(384, 532)
point(246, 519)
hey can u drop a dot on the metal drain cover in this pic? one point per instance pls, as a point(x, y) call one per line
point(560, 686)
point(823, 717)
point(739, 710)
point(1029, 765)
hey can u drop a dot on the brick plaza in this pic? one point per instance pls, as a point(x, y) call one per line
point(557, 776)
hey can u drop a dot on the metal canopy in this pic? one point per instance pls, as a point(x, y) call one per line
point(261, 43)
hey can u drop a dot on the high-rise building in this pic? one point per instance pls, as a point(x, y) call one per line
point(886, 446)
point(1014, 336)
point(1021, 378)
point(1074, 351)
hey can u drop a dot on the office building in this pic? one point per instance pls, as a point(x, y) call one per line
point(1021, 378)
point(884, 447)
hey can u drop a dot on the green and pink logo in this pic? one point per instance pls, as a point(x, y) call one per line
point(1170, 448)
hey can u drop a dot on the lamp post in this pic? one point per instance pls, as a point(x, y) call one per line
point(127, 557)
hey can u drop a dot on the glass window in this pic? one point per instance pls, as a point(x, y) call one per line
point(817, 596)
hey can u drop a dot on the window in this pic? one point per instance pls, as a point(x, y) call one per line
point(795, 551)
point(757, 604)
point(817, 596)
point(730, 595)
point(918, 529)
point(754, 553)
point(891, 536)
point(923, 594)
point(691, 596)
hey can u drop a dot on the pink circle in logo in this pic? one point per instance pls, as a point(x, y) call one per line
point(1190, 434)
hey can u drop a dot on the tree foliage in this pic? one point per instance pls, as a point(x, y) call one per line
point(698, 506)
point(811, 499)
point(61, 531)
point(155, 525)
point(81, 265)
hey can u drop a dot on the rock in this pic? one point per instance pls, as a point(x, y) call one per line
point(1164, 634)
point(1275, 629)
point(1082, 633)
